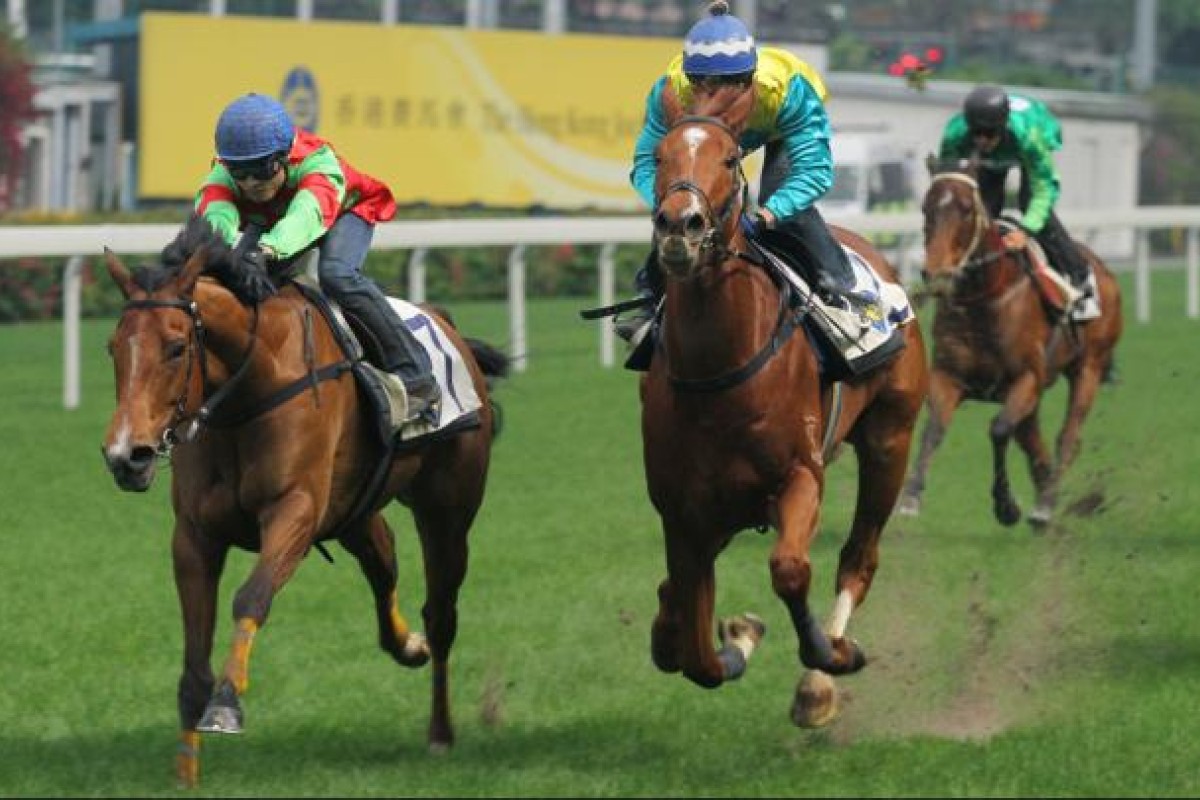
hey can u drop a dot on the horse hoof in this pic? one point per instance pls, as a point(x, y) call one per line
point(1040, 517)
point(415, 652)
point(909, 506)
point(221, 719)
point(816, 701)
point(742, 626)
point(1008, 514)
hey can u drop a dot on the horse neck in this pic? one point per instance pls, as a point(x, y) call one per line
point(718, 319)
point(994, 284)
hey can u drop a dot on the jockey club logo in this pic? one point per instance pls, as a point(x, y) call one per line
point(299, 96)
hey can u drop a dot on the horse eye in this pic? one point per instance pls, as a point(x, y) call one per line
point(174, 350)
point(731, 162)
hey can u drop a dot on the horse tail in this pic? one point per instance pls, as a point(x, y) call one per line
point(495, 364)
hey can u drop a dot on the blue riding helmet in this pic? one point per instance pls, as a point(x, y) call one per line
point(253, 126)
point(719, 44)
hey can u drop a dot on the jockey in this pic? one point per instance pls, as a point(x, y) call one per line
point(293, 186)
point(789, 120)
point(1006, 131)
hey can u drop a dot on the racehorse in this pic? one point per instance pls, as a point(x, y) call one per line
point(998, 338)
point(738, 422)
point(283, 442)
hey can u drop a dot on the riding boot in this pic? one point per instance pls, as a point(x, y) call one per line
point(1064, 255)
point(647, 282)
point(834, 276)
point(399, 351)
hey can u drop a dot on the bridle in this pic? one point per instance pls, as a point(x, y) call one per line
point(715, 243)
point(717, 247)
point(969, 260)
point(196, 345)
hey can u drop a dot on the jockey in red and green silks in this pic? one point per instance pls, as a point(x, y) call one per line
point(788, 120)
point(319, 187)
point(1005, 131)
point(293, 187)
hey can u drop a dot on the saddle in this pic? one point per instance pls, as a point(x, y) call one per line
point(848, 344)
point(1060, 298)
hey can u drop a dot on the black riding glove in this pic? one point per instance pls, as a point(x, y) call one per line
point(254, 284)
point(753, 226)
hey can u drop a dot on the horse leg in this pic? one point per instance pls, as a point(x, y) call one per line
point(1029, 437)
point(945, 395)
point(1021, 402)
point(1083, 387)
point(373, 545)
point(287, 533)
point(681, 635)
point(443, 530)
point(198, 564)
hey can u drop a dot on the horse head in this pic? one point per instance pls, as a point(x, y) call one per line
point(155, 349)
point(956, 222)
point(700, 186)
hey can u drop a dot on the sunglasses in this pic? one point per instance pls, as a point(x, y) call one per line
point(262, 169)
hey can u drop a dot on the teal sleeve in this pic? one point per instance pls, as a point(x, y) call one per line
point(803, 125)
point(654, 127)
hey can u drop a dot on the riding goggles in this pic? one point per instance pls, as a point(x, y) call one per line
point(260, 169)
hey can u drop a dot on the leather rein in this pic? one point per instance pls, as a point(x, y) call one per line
point(716, 246)
point(211, 399)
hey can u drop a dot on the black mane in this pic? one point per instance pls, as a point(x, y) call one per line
point(196, 233)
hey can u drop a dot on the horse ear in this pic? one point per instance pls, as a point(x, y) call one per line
point(672, 105)
point(119, 274)
point(739, 111)
point(185, 281)
point(931, 163)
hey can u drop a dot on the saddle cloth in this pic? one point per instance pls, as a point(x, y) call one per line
point(458, 391)
point(862, 340)
point(459, 401)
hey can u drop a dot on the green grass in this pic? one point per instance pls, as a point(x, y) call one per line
point(1002, 662)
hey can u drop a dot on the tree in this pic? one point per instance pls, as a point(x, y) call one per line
point(16, 111)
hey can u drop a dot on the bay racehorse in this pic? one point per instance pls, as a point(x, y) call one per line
point(998, 337)
point(738, 422)
point(283, 445)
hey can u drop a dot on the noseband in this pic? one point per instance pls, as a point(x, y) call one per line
point(210, 402)
point(718, 220)
point(969, 260)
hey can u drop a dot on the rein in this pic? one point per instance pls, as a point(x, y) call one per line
point(716, 246)
point(967, 263)
point(736, 200)
point(210, 402)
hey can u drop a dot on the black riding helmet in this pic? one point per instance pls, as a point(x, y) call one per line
point(986, 109)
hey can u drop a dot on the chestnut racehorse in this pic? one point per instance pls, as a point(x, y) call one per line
point(996, 340)
point(738, 422)
point(283, 446)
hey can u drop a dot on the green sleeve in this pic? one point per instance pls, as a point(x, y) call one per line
point(1038, 161)
point(321, 188)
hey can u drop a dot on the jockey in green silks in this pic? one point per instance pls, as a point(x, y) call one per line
point(1005, 131)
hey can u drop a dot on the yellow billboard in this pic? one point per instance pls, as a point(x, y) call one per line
point(444, 116)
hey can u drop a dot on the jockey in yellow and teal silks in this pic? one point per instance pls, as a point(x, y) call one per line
point(789, 120)
point(1005, 131)
point(300, 193)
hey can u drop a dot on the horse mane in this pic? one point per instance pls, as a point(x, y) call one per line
point(196, 233)
point(731, 104)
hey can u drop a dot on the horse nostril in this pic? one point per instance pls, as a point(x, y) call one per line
point(694, 223)
point(141, 457)
point(661, 220)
